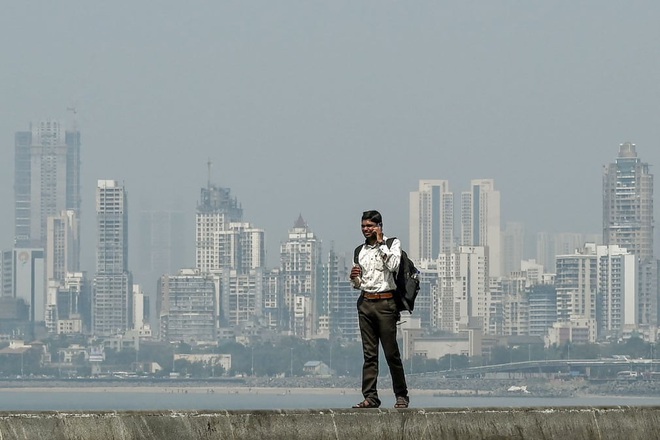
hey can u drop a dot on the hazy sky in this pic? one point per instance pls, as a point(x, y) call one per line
point(330, 108)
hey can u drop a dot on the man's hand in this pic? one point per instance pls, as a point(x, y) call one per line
point(379, 234)
point(356, 271)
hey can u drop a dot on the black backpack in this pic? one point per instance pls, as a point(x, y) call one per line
point(406, 279)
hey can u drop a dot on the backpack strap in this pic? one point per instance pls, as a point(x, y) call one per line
point(389, 241)
point(356, 254)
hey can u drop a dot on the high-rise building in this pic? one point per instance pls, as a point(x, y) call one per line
point(6, 273)
point(437, 281)
point(340, 297)
point(480, 221)
point(46, 179)
point(240, 246)
point(234, 251)
point(577, 282)
point(112, 298)
point(47, 185)
point(461, 294)
point(140, 308)
point(274, 312)
point(617, 291)
point(598, 285)
point(241, 296)
point(513, 311)
point(188, 306)
point(628, 203)
point(215, 211)
point(628, 222)
point(431, 220)
point(73, 304)
point(542, 308)
point(299, 264)
point(29, 276)
point(62, 245)
point(513, 243)
point(162, 244)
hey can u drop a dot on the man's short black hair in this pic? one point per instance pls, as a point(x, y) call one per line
point(373, 216)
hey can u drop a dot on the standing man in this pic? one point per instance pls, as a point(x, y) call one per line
point(378, 314)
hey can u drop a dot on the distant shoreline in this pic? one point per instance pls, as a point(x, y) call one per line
point(203, 390)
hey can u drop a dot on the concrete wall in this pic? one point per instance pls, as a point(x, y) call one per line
point(629, 423)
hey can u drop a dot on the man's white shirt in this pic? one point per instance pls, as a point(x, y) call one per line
point(379, 264)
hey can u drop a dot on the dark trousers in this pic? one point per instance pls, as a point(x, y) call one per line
point(378, 320)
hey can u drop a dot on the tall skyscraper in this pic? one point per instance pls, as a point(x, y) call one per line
point(234, 251)
point(46, 179)
point(215, 211)
point(480, 221)
point(47, 192)
point(431, 220)
point(112, 302)
point(628, 222)
point(299, 257)
point(513, 243)
point(628, 203)
point(162, 242)
point(62, 245)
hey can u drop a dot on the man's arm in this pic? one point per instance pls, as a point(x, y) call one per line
point(391, 255)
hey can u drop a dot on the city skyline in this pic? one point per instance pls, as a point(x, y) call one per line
point(213, 195)
point(601, 290)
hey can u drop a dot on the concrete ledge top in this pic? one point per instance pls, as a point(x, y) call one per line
point(565, 423)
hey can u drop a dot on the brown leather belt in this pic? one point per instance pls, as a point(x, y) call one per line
point(379, 295)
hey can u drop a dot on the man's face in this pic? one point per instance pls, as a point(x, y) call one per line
point(369, 228)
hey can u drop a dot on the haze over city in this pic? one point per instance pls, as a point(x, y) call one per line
point(182, 188)
point(328, 109)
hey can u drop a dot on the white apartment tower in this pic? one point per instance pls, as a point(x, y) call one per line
point(431, 220)
point(215, 211)
point(299, 264)
point(577, 282)
point(598, 284)
point(112, 295)
point(240, 246)
point(617, 287)
point(461, 294)
point(473, 286)
point(480, 220)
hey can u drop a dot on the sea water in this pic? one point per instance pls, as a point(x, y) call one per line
point(52, 400)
